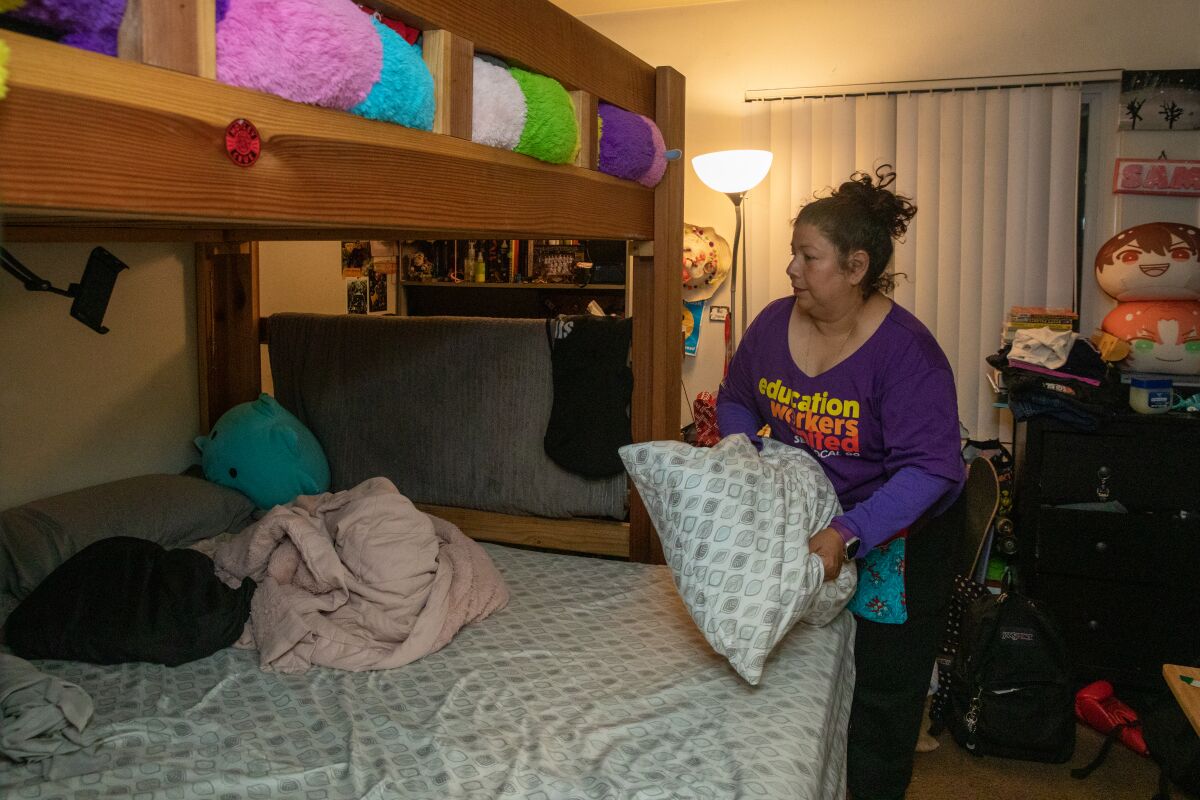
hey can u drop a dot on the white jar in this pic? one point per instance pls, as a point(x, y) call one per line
point(1150, 395)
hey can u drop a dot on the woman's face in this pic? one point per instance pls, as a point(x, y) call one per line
point(819, 278)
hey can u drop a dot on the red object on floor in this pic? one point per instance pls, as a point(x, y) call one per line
point(705, 412)
point(1096, 706)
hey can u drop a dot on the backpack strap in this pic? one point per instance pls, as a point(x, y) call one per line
point(1164, 786)
point(983, 498)
point(1079, 773)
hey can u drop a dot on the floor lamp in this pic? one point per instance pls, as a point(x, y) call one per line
point(734, 172)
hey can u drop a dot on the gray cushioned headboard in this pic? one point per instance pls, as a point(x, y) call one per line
point(452, 409)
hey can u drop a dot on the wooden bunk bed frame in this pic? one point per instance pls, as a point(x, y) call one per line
point(132, 149)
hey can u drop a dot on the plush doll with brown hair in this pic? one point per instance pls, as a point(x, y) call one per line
point(1154, 261)
point(1153, 271)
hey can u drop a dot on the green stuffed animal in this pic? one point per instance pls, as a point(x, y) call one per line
point(263, 451)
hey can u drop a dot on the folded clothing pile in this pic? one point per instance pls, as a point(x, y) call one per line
point(1060, 374)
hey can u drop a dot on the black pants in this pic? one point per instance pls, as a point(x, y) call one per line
point(894, 664)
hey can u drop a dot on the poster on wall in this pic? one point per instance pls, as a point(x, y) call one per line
point(377, 291)
point(1160, 100)
point(385, 257)
point(692, 315)
point(356, 296)
point(356, 259)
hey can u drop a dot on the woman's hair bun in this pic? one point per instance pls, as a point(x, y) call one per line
point(863, 214)
point(891, 211)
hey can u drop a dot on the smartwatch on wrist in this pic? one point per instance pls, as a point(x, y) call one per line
point(852, 547)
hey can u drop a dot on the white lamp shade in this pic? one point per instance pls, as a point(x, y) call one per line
point(732, 171)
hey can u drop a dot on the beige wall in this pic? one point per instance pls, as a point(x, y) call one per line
point(298, 276)
point(78, 408)
point(724, 49)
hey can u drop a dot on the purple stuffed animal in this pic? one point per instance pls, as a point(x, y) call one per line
point(631, 146)
point(87, 24)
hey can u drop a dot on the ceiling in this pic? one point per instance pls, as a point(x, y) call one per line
point(581, 8)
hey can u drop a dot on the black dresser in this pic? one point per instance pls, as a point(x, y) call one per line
point(1124, 587)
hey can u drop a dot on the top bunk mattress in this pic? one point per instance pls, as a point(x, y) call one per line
point(593, 683)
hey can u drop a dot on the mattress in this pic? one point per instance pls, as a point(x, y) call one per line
point(593, 683)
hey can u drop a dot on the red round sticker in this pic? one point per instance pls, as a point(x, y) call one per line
point(242, 142)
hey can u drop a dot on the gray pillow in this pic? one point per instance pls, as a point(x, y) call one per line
point(172, 510)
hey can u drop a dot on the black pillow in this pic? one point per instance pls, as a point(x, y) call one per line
point(125, 599)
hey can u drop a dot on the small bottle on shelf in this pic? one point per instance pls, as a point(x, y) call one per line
point(480, 267)
point(468, 265)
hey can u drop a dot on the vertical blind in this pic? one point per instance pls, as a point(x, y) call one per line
point(993, 173)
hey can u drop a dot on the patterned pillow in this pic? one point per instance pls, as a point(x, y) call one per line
point(734, 525)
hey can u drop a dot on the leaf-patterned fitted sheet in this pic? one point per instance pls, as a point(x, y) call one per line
point(593, 683)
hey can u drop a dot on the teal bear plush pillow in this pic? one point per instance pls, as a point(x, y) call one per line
point(264, 452)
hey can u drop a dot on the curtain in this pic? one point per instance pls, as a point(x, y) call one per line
point(994, 175)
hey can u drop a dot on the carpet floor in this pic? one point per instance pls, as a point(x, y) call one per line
point(951, 773)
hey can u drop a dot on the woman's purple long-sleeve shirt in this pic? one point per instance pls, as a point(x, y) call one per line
point(883, 422)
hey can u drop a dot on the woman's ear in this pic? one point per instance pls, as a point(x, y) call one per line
point(857, 264)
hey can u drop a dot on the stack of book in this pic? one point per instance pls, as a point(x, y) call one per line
point(1056, 319)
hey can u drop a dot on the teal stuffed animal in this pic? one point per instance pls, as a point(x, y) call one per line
point(264, 452)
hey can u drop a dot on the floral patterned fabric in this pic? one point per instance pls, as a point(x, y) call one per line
point(880, 593)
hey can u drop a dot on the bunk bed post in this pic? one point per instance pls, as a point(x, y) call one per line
point(586, 109)
point(451, 62)
point(179, 35)
point(657, 304)
point(226, 327)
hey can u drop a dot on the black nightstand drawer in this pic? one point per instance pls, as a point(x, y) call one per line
point(1072, 463)
point(1139, 628)
point(1142, 548)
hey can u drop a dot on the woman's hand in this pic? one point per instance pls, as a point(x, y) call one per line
point(827, 543)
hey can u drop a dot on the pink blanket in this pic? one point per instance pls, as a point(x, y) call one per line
point(358, 580)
